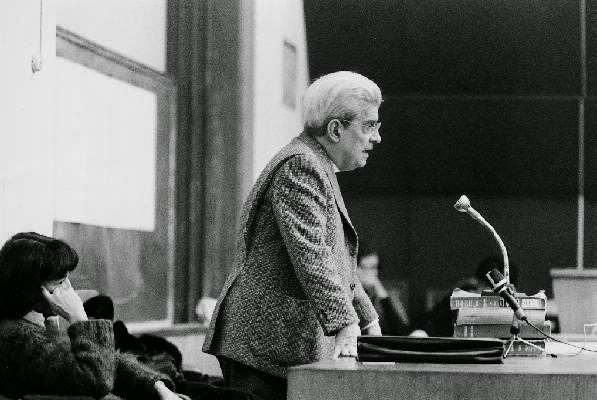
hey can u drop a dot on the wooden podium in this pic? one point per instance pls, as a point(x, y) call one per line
point(519, 378)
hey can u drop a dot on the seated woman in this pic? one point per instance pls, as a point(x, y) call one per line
point(34, 356)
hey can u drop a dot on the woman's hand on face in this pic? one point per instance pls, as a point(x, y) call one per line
point(167, 394)
point(65, 302)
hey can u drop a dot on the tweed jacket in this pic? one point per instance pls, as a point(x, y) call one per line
point(294, 283)
point(33, 360)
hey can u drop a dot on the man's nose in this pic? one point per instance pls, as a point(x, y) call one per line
point(376, 137)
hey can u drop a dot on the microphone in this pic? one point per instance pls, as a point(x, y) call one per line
point(500, 286)
point(463, 205)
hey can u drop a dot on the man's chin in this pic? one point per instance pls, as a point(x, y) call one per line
point(357, 165)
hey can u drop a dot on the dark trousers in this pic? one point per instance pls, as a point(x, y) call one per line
point(264, 386)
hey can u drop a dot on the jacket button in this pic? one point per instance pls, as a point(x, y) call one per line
point(353, 251)
point(323, 316)
point(352, 286)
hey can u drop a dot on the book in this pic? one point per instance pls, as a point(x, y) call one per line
point(501, 331)
point(520, 348)
point(461, 299)
point(494, 315)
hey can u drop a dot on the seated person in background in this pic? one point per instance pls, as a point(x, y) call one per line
point(163, 356)
point(35, 356)
point(392, 317)
point(439, 321)
point(153, 351)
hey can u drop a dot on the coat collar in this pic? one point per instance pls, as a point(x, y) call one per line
point(35, 318)
point(330, 169)
point(319, 150)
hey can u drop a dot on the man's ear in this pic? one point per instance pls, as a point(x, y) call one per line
point(334, 130)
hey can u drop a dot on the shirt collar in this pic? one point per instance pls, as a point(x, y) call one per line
point(334, 167)
point(35, 318)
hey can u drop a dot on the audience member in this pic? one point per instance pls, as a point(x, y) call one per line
point(37, 357)
point(393, 318)
point(163, 356)
point(151, 350)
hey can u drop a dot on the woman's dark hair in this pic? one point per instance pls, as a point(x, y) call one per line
point(27, 260)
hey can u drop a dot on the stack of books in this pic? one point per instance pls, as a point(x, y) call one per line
point(489, 316)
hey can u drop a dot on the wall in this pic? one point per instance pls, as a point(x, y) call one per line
point(133, 28)
point(106, 141)
point(489, 99)
point(115, 129)
point(26, 101)
point(28, 142)
point(424, 241)
point(103, 131)
point(276, 122)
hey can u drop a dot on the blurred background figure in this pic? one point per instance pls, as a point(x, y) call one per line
point(439, 321)
point(204, 310)
point(393, 317)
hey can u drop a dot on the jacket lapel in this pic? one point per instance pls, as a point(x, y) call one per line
point(319, 150)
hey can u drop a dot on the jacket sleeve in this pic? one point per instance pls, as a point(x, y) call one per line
point(135, 380)
point(40, 363)
point(300, 205)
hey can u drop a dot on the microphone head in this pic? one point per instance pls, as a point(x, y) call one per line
point(463, 204)
point(499, 284)
point(496, 279)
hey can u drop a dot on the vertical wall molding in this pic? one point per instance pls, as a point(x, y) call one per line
point(229, 136)
point(581, 136)
point(186, 51)
point(210, 55)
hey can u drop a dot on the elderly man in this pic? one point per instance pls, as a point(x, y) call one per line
point(293, 296)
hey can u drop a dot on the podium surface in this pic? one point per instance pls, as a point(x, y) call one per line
point(518, 378)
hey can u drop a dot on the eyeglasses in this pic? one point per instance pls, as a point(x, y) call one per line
point(370, 126)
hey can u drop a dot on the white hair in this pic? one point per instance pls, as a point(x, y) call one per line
point(341, 95)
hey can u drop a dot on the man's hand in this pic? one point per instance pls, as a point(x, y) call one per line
point(346, 341)
point(374, 330)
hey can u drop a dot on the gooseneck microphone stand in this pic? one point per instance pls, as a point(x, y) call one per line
point(463, 205)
